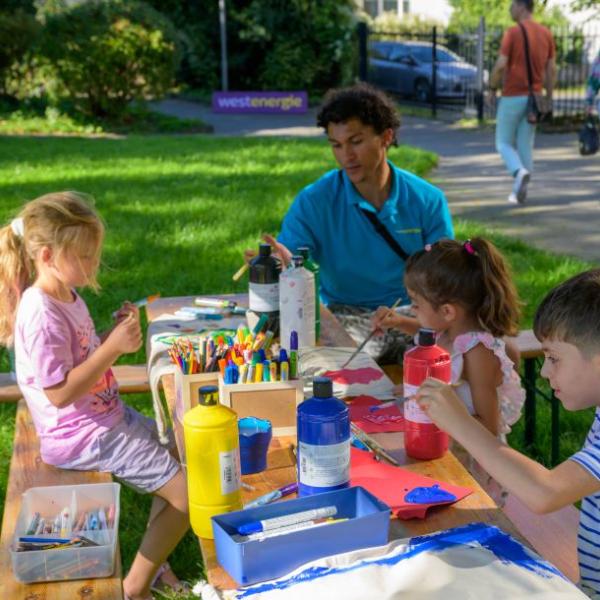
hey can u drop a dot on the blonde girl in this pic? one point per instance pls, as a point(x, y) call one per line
point(64, 369)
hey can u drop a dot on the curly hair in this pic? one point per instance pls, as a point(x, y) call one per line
point(363, 102)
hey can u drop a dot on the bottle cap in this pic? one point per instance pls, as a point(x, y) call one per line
point(304, 252)
point(298, 260)
point(207, 395)
point(264, 250)
point(426, 337)
point(294, 340)
point(322, 387)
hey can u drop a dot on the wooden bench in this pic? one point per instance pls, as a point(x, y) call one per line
point(27, 470)
point(132, 379)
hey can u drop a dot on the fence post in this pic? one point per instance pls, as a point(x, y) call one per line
point(363, 34)
point(480, 66)
point(434, 72)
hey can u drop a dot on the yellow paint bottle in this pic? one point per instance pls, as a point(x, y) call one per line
point(213, 460)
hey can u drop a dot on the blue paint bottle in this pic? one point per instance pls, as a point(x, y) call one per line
point(323, 441)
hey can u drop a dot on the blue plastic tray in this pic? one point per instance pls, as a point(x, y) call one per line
point(253, 561)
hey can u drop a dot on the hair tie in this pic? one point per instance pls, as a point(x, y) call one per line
point(469, 248)
point(18, 227)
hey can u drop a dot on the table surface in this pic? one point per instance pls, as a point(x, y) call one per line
point(281, 469)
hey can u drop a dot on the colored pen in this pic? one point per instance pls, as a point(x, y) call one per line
point(290, 519)
point(258, 373)
point(65, 523)
point(243, 373)
point(33, 523)
point(296, 527)
point(261, 323)
point(267, 370)
point(274, 495)
point(273, 370)
point(111, 516)
point(284, 368)
point(216, 302)
point(140, 303)
point(293, 354)
point(102, 519)
point(268, 339)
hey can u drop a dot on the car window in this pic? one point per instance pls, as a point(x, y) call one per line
point(397, 53)
point(423, 54)
point(380, 51)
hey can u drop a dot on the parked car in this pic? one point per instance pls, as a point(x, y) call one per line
point(405, 68)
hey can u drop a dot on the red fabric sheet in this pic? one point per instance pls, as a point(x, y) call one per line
point(391, 484)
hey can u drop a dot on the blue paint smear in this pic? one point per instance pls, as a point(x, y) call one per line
point(429, 495)
point(504, 548)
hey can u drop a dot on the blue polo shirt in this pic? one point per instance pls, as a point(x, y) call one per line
point(357, 265)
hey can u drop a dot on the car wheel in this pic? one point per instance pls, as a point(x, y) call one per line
point(422, 90)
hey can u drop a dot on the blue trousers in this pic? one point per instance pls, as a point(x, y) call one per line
point(514, 135)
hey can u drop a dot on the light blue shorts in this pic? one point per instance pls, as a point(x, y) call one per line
point(132, 453)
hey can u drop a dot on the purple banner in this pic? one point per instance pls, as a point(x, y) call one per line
point(260, 102)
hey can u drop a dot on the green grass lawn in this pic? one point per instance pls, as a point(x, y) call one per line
point(179, 212)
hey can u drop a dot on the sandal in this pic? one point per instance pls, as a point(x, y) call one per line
point(179, 587)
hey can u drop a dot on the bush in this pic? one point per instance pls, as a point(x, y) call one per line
point(106, 53)
point(18, 32)
point(281, 44)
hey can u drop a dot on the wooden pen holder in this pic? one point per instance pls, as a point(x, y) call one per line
point(275, 401)
point(186, 389)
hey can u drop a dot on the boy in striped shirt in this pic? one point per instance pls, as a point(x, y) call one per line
point(567, 323)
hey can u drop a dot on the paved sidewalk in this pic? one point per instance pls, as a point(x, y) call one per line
point(563, 207)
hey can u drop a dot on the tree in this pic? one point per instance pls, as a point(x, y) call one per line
point(466, 14)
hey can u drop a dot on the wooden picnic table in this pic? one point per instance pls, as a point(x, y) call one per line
point(281, 468)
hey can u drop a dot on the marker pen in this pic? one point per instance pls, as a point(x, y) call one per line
point(258, 377)
point(293, 354)
point(284, 368)
point(291, 519)
point(273, 370)
point(267, 370)
point(290, 528)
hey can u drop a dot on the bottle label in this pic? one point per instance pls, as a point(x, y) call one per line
point(412, 412)
point(324, 466)
point(263, 297)
point(230, 470)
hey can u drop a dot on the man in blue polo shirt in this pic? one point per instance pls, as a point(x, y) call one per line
point(360, 269)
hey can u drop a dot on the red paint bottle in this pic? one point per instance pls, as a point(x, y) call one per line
point(422, 438)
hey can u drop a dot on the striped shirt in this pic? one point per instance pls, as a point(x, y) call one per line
point(588, 538)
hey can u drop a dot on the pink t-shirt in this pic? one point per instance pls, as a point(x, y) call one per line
point(51, 338)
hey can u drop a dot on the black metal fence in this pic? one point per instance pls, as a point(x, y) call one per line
point(448, 71)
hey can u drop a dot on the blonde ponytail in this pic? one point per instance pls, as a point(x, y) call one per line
point(61, 221)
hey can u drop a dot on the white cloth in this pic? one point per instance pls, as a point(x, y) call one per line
point(474, 561)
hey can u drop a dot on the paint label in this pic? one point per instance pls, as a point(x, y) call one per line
point(230, 471)
point(324, 465)
point(263, 297)
point(412, 412)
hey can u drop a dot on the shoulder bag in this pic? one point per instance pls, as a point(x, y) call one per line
point(536, 103)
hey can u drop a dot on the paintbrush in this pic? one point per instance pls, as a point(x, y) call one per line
point(240, 271)
point(365, 341)
point(399, 401)
point(140, 303)
point(368, 441)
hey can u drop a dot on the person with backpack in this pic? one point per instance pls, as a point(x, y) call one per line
point(526, 65)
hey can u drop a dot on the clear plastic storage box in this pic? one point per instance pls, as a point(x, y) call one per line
point(67, 563)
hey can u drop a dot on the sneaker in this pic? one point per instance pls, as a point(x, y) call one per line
point(520, 186)
point(512, 198)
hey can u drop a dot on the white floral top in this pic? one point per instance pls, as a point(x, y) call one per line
point(511, 394)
